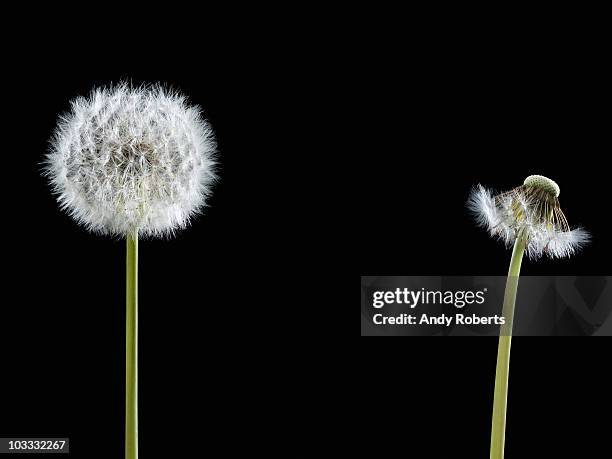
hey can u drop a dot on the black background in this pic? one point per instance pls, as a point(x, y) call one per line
point(435, 107)
point(452, 106)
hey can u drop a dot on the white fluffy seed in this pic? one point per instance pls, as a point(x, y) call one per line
point(507, 215)
point(132, 160)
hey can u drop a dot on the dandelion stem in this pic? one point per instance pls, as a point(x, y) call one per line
point(131, 349)
point(498, 425)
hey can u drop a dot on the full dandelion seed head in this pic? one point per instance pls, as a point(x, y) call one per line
point(132, 160)
point(531, 210)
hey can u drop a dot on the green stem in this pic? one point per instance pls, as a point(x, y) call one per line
point(498, 426)
point(131, 349)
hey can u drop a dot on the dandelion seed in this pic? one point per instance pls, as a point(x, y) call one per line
point(531, 210)
point(132, 160)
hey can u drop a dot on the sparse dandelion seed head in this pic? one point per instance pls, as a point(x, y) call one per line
point(126, 160)
point(539, 181)
point(531, 210)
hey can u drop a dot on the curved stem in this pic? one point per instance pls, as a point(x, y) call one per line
point(498, 426)
point(131, 349)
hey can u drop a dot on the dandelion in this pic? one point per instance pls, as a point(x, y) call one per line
point(132, 162)
point(532, 212)
point(530, 219)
